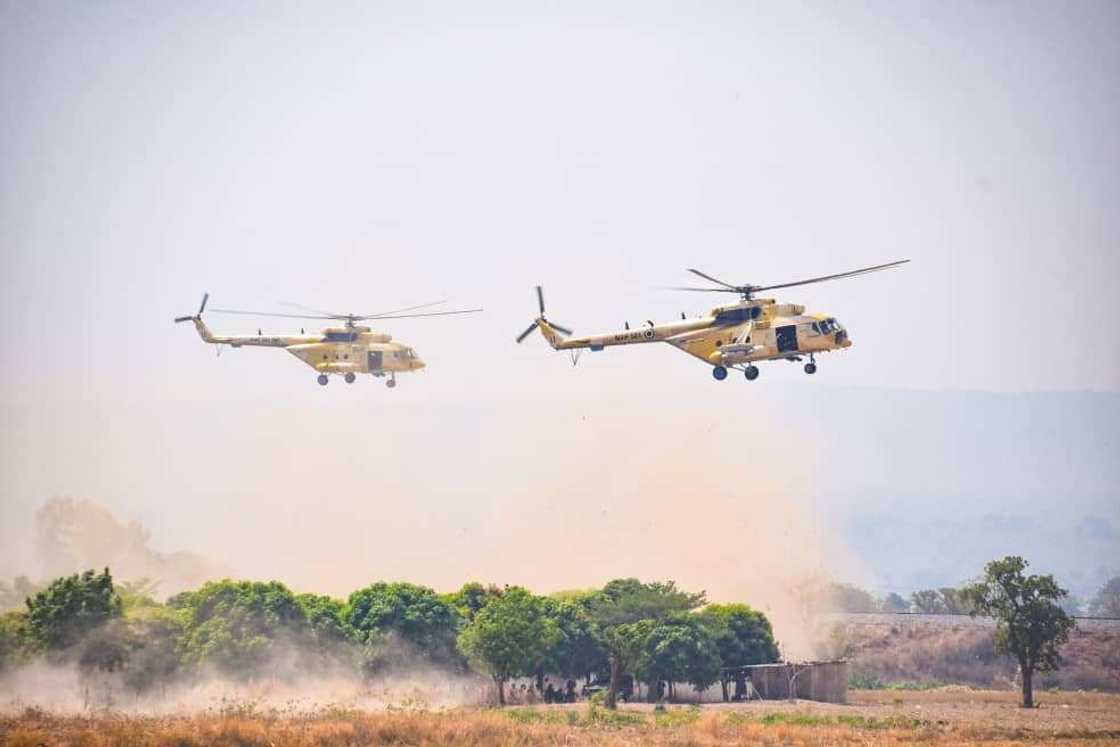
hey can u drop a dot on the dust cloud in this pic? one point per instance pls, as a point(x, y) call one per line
point(69, 689)
point(547, 493)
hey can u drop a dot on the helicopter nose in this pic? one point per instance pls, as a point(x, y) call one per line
point(418, 363)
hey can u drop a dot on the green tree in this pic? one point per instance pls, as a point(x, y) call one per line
point(414, 615)
point(508, 637)
point(239, 626)
point(70, 607)
point(625, 644)
point(680, 649)
point(576, 651)
point(626, 602)
point(1107, 601)
point(1029, 623)
point(470, 598)
point(743, 637)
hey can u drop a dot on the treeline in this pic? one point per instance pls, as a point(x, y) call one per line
point(627, 630)
point(849, 598)
point(948, 600)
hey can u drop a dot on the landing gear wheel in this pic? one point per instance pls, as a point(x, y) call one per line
point(720, 373)
point(810, 368)
point(323, 379)
point(391, 383)
point(751, 372)
point(350, 377)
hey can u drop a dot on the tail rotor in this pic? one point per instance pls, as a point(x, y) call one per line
point(537, 322)
point(201, 308)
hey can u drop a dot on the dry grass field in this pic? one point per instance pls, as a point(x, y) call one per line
point(950, 716)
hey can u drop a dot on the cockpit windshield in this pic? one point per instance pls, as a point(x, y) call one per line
point(827, 327)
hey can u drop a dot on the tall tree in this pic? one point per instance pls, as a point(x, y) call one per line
point(1030, 625)
point(60, 615)
point(576, 651)
point(681, 649)
point(743, 637)
point(508, 637)
point(626, 602)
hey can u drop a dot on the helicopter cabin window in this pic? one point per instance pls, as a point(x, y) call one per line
point(341, 337)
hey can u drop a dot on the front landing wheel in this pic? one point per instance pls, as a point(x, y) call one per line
point(720, 373)
point(391, 383)
point(751, 372)
point(810, 368)
point(323, 379)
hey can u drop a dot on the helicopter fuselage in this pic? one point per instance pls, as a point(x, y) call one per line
point(727, 336)
point(337, 350)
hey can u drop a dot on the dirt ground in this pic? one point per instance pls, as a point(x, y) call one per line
point(948, 716)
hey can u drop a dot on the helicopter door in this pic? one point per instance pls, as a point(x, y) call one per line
point(787, 338)
point(374, 360)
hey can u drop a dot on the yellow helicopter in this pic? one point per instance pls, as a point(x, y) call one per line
point(735, 336)
point(347, 350)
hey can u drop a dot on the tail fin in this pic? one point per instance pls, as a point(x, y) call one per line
point(203, 330)
point(552, 333)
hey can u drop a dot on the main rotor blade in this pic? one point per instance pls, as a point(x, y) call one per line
point(527, 332)
point(268, 313)
point(701, 290)
point(837, 276)
point(308, 308)
point(413, 316)
point(407, 308)
point(540, 299)
point(709, 277)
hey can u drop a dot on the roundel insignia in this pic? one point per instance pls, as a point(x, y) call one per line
point(648, 334)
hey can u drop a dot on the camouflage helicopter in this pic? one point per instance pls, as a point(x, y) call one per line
point(734, 336)
point(347, 350)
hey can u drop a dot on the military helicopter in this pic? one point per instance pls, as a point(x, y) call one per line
point(734, 336)
point(347, 350)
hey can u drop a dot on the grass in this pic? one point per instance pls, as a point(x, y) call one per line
point(866, 681)
point(869, 723)
point(469, 727)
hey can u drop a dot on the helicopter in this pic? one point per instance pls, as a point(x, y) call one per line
point(733, 336)
point(347, 350)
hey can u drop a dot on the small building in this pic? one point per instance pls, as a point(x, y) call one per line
point(825, 681)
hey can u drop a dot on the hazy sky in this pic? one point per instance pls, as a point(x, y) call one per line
point(362, 156)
